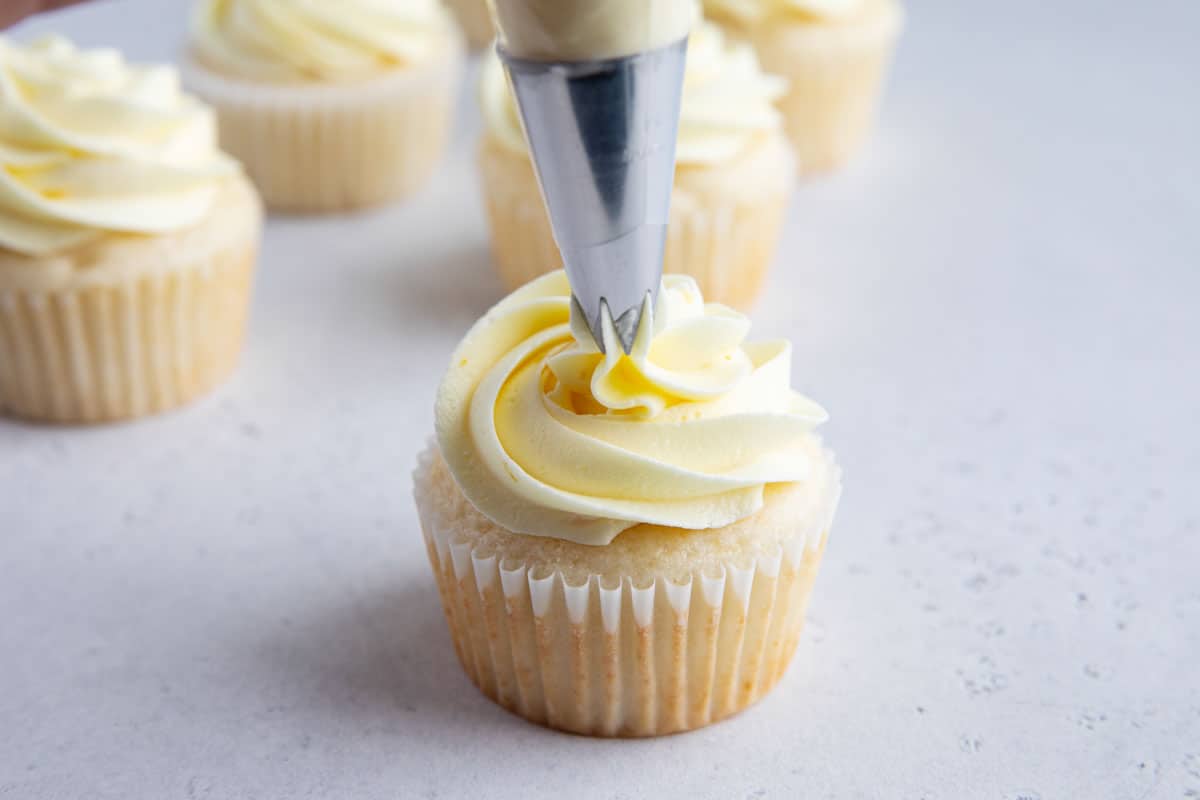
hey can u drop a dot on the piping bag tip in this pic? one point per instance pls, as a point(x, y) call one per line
point(602, 136)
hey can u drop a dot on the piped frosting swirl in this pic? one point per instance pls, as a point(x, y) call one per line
point(548, 436)
point(90, 144)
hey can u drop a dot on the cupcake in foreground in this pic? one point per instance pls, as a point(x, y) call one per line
point(127, 239)
point(474, 19)
point(835, 55)
point(624, 545)
point(733, 179)
point(330, 106)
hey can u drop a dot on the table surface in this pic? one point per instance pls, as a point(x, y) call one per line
point(998, 304)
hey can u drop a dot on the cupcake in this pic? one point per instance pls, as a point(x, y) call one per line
point(834, 54)
point(127, 239)
point(624, 545)
point(474, 19)
point(330, 106)
point(733, 178)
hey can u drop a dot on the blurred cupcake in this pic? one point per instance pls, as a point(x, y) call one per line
point(330, 106)
point(834, 54)
point(474, 19)
point(624, 545)
point(127, 239)
point(733, 178)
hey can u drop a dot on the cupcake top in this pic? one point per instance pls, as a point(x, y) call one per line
point(292, 41)
point(728, 102)
point(752, 11)
point(585, 29)
point(547, 436)
point(91, 145)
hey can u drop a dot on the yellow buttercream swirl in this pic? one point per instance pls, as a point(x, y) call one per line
point(91, 144)
point(317, 40)
point(548, 436)
point(728, 102)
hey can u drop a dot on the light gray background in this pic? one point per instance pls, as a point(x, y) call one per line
point(998, 304)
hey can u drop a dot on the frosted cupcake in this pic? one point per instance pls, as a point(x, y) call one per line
point(127, 239)
point(330, 106)
point(624, 545)
point(474, 19)
point(732, 183)
point(835, 55)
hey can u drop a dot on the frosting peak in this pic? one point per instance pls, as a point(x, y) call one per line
point(727, 100)
point(91, 144)
point(548, 436)
point(317, 40)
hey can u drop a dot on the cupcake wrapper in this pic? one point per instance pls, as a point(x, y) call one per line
point(835, 80)
point(335, 147)
point(474, 19)
point(726, 243)
point(100, 353)
point(608, 657)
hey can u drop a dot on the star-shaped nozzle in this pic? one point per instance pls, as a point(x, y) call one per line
point(602, 136)
point(615, 332)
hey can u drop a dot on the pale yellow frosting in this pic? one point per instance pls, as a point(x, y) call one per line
point(753, 11)
point(549, 437)
point(317, 40)
point(728, 102)
point(90, 144)
point(573, 30)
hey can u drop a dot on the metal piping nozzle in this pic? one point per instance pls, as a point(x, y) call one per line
point(602, 135)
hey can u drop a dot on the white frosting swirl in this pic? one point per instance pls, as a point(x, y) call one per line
point(728, 102)
point(91, 144)
point(317, 40)
point(549, 437)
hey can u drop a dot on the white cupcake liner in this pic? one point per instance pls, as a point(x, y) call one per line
point(143, 345)
point(609, 656)
point(336, 146)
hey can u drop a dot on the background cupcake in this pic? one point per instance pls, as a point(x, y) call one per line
point(732, 182)
point(834, 54)
point(127, 239)
point(329, 105)
point(624, 545)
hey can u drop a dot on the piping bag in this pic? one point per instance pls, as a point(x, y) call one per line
point(598, 84)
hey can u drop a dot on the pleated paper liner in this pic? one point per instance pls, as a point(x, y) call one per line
point(133, 343)
point(835, 79)
point(608, 655)
point(337, 146)
point(724, 227)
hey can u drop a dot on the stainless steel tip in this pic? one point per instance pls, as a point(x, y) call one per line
point(602, 135)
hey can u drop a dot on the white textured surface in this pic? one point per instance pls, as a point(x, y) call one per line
point(998, 305)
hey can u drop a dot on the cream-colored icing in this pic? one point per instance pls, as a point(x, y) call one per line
point(572, 30)
point(547, 436)
point(90, 145)
point(728, 102)
point(115, 259)
point(287, 41)
point(753, 11)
